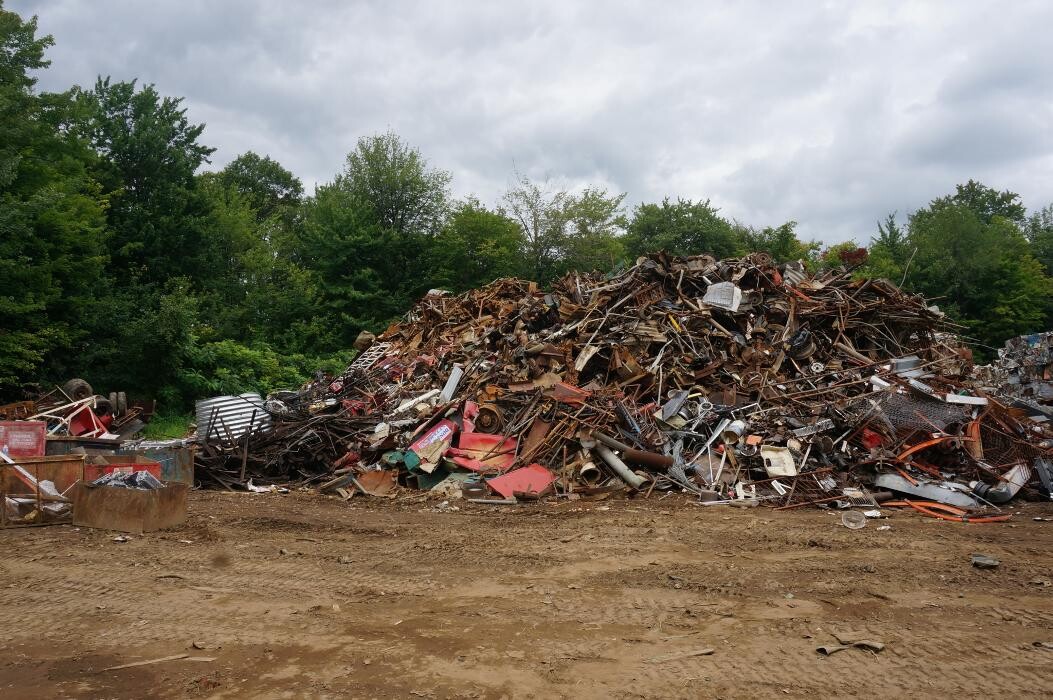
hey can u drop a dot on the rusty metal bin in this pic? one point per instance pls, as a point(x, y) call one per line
point(23, 505)
point(129, 510)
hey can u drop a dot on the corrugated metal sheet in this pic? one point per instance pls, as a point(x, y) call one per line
point(231, 416)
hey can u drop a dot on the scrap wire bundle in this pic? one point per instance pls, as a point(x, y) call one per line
point(733, 379)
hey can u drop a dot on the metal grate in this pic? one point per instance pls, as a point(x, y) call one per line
point(369, 357)
point(908, 413)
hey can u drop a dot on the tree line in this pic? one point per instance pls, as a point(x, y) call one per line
point(124, 260)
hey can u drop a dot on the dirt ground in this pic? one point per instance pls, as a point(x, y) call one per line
point(299, 596)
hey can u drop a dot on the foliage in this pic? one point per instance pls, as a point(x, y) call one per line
point(683, 227)
point(360, 266)
point(228, 367)
point(543, 213)
point(476, 247)
point(250, 291)
point(51, 217)
point(268, 188)
point(986, 203)
point(149, 152)
point(405, 195)
point(780, 242)
point(982, 269)
point(1039, 233)
point(890, 251)
point(978, 255)
point(168, 426)
point(594, 241)
point(565, 231)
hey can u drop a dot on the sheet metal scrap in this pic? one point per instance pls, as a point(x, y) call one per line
point(688, 374)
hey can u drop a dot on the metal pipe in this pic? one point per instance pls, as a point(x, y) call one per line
point(648, 459)
point(641, 457)
point(610, 442)
point(619, 467)
point(590, 473)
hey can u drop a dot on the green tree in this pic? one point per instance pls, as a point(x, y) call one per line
point(363, 279)
point(979, 265)
point(890, 251)
point(158, 221)
point(150, 153)
point(780, 242)
point(543, 213)
point(369, 236)
point(52, 251)
point(1039, 233)
point(683, 227)
point(987, 203)
point(563, 231)
point(476, 247)
point(405, 195)
point(268, 188)
point(594, 240)
point(251, 291)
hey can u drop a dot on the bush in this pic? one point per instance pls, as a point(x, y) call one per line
point(228, 367)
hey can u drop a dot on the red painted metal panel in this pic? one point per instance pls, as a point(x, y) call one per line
point(23, 438)
point(532, 479)
point(484, 452)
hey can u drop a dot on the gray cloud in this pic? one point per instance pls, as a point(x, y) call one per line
point(830, 114)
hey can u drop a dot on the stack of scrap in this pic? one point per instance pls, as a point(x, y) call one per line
point(735, 380)
point(1023, 374)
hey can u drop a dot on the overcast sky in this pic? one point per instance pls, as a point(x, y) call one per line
point(832, 114)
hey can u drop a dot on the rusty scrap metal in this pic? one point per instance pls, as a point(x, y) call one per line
point(682, 367)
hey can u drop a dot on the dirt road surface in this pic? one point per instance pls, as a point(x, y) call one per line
point(297, 596)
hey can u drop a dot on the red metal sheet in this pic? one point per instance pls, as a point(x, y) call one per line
point(531, 479)
point(482, 452)
point(23, 438)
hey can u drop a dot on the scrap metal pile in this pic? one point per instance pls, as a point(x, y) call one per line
point(1023, 374)
point(737, 381)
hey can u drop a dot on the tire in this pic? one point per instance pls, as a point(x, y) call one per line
point(103, 407)
point(122, 403)
point(113, 402)
point(78, 389)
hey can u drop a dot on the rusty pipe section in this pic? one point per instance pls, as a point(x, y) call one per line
point(641, 457)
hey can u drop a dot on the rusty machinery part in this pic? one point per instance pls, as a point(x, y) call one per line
point(491, 419)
